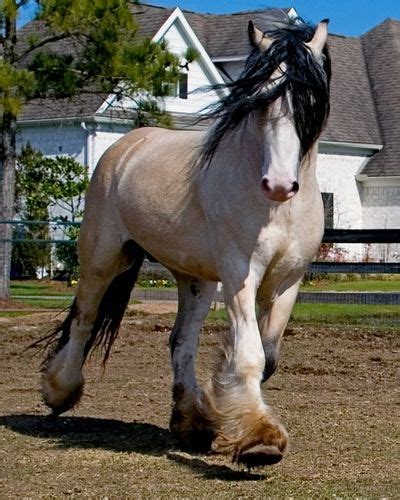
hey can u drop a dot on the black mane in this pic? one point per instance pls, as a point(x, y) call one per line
point(305, 78)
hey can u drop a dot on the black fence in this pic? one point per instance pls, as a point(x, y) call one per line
point(368, 236)
point(334, 236)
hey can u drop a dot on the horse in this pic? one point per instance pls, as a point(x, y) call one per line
point(237, 204)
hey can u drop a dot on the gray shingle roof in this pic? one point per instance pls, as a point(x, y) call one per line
point(382, 54)
point(365, 104)
point(83, 105)
point(352, 117)
point(150, 18)
point(222, 35)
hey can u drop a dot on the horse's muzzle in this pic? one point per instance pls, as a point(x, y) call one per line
point(279, 191)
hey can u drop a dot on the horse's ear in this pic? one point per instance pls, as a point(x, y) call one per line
point(320, 38)
point(257, 37)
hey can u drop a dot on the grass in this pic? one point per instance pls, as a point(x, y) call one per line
point(40, 288)
point(387, 283)
point(334, 314)
point(41, 303)
point(346, 314)
point(364, 285)
point(340, 314)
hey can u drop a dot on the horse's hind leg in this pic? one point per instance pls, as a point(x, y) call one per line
point(188, 422)
point(106, 275)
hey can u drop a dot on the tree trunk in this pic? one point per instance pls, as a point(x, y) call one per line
point(7, 181)
point(8, 125)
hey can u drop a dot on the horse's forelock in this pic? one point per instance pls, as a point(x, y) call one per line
point(304, 76)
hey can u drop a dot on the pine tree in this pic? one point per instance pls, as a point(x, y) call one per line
point(104, 56)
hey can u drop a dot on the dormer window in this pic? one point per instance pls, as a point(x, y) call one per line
point(183, 86)
point(179, 89)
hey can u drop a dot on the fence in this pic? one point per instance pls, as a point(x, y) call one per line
point(368, 236)
point(55, 223)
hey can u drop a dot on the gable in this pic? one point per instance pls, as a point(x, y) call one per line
point(199, 74)
point(179, 36)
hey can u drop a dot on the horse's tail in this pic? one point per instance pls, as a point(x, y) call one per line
point(113, 305)
point(109, 315)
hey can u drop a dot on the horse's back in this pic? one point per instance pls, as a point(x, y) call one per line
point(144, 143)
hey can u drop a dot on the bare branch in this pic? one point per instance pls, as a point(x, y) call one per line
point(43, 42)
point(21, 3)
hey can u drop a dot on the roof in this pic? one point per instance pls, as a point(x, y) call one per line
point(381, 48)
point(365, 89)
point(352, 118)
point(222, 35)
point(82, 105)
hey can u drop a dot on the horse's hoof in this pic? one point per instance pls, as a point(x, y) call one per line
point(259, 455)
point(195, 442)
point(188, 435)
point(60, 402)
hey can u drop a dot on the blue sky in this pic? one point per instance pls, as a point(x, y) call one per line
point(348, 17)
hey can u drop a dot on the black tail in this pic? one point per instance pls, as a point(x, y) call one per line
point(112, 307)
point(110, 312)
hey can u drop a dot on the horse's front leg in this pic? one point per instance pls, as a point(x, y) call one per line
point(189, 423)
point(273, 316)
point(243, 423)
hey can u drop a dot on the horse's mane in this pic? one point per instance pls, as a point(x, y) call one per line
point(305, 78)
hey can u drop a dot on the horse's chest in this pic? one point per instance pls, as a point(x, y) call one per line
point(282, 254)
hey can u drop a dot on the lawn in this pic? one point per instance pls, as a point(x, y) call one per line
point(49, 294)
point(390, 284)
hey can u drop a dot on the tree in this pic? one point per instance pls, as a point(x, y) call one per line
point(47, 189)
point(67, 183)
point(80, 46)
point(32, 204)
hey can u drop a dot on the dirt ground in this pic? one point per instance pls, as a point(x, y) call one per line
point(335, 390)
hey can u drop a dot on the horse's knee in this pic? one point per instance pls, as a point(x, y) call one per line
point(271, 360)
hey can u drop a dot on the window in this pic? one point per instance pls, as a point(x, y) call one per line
point(327, 198)
point(183, 86)
point(179, 89)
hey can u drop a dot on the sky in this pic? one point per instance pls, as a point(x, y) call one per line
point(347, 17)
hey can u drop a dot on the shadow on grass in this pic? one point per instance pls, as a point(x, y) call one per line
point(213, 471)
point(118, 436)
point(87, 433)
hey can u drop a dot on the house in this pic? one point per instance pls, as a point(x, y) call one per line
point(359, 151)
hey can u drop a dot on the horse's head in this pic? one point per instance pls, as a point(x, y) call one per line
point(283, 93)
point(295, 97)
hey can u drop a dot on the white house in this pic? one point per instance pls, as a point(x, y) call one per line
point(359, 152)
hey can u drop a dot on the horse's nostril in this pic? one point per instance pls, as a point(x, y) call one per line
point(265, 184)
point(295, 187)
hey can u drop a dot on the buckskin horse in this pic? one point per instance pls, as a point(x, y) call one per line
point(238, 204)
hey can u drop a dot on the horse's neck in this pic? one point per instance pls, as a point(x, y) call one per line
point(308, 168)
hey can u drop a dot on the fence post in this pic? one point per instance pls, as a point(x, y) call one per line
point(4, 269)
point(5, 260)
